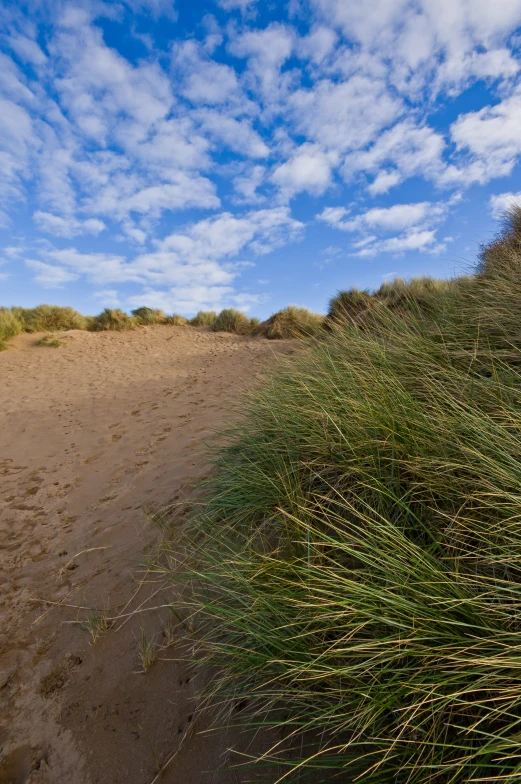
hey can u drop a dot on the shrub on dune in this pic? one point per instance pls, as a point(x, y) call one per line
point(146, 316)
point(500, 258)
point(421, 293)
point(176, 320)
point(291, 322)
point(355, 576)
point(10, 326)
point(205, 318)
point(231, 320)
point(49, 340)
point(51, 318)
point(19, 313)
point(352, 305)
point(403, 296)
point(112, 319)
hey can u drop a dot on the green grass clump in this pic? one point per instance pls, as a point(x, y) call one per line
point(231, 320)
point(52, 318)
point(49, 340)
point(176, 320)
point(10, 326)
point(146, 316)
point(111, 319)
point(205, 318)
point(404, 296)
point(500, 258)
point(19, 313)
point(291, 322)
point(3, 345)
point(352, 305)
point(356, 574)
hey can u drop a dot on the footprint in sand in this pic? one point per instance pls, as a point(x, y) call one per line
point(92, 459)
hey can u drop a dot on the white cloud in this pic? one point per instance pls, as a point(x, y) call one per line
point(108, 297)
point(51, 276)
point(121, 198)
point(157, 8)
point(308, 170)
point(415, 222)
point(190, 299)
point(395, 218)
point(237, 135)
point(97, 85)
point(266, 50)
point(225, 235)
point(344, 116)
point(247, 183)
point(317, 45)
point(429, 42)
point(230, 5)
point(424, 241)
point(403, 151)
point(334, 216)
point(68, 226)
point(18, 142)
point(98, 268)
point(502, 202)
point(204, 256)
point(27, 49)
point(490, 138)
point(204, 81)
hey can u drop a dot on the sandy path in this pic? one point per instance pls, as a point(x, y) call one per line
point(89, 434)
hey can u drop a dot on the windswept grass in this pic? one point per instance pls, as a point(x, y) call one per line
point(418, 296)
point(49, 340)
point(500, 258)
point(10, 326)
point(51, 318)
point(176, 320)
point(291, 322)
point(356, 574)
point(352, 305)
point(146, 316)
point(112, 319)
point(231, 320)
point(204, 318)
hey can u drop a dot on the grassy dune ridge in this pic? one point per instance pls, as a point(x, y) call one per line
point(355, 576)
point(52, 318)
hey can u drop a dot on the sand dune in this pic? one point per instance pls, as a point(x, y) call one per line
point(91, 433)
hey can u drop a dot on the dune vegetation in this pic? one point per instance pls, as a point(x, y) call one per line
point(146, 316)
point(231, 320)
point(112, 319)
point(291, 322)
point(9, 327)
point(355, 574)
point(204, 318)
point(49, 340)
point(176, 320)
point(54, 318)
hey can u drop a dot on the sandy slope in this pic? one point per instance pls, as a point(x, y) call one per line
point(89, 434)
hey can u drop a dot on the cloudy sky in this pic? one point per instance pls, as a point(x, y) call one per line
point(206, 153)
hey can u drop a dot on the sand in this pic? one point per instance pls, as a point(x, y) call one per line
point(90, 435)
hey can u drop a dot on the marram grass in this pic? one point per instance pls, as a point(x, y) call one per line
point(356, 574)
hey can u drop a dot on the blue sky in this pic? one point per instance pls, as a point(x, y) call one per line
point(210, 153)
